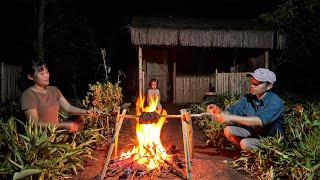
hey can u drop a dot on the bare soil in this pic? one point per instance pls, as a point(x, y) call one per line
point(208, 162)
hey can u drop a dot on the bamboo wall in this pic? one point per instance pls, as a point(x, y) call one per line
point(232, 83)
point(191, 89)
point(9, 82)
point(160, 72)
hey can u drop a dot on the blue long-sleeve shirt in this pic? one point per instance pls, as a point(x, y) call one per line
point(270, 110)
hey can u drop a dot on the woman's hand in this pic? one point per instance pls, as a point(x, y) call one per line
point(94, 111)
point(74, 127)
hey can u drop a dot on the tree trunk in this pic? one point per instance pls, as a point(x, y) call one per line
point(41, 25)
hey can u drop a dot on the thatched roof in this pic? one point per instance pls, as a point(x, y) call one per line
point(203, 33)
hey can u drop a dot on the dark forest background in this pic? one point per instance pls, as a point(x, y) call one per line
point(74, 31)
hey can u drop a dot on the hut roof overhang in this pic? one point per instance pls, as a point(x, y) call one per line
point(203, 33)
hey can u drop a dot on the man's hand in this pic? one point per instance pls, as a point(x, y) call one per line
point(217, 114)
point(222, 118)
point(213, 109)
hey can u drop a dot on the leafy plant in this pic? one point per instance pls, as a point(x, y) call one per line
point(213, 129)
point(42, 152)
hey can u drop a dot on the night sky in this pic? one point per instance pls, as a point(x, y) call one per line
point(18, 18)
point(103, 24)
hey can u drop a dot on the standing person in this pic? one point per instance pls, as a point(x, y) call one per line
point(42, 102)
point(154, 92)
point(256, 115)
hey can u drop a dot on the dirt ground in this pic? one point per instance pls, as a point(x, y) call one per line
point(208, 162)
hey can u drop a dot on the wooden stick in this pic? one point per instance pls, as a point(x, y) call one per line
point(175, 167)
point(186, 143)
point(103, 173)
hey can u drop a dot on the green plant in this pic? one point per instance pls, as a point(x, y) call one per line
point(106, 97)
point(42, 152)
point(213, 129)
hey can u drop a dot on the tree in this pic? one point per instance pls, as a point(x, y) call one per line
point(299, 21)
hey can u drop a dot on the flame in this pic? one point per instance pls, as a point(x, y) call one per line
point(149, 150)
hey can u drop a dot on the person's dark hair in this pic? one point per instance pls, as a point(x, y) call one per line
point(35, 66)
point(29, 69)
point(151, 81)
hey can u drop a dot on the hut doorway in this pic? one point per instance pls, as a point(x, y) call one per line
point(156, 66)
point(159, 72)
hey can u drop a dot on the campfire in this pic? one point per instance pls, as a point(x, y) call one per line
point(148, 156)
point(149, 152)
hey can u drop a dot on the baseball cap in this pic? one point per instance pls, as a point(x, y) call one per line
point(263, 75)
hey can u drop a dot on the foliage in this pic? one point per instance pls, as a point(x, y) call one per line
point(296, 156)
point(213, 129)
point(299, 21)
point(41, 152)
point(106, 97)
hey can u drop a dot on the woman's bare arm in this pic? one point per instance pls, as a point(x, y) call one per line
point(69, 108)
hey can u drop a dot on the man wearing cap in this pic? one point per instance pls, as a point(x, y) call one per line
point(257, 114)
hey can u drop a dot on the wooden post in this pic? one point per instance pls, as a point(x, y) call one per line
point(140, 72)
point(2, 83)
point(186, 141)
point(103, 173)
point(174, 74)
point(143, 82)
point(266, 59)
point(190, 133)
point(188, 119)
point(174, 81)
point(117, 137)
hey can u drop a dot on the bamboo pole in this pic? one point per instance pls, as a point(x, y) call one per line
point(117, 137)
point(186, 142)
point(2, 83)
point(140, 71)
point(174, 81)
point(103, 173)
point(266, 59)
point(168, 116)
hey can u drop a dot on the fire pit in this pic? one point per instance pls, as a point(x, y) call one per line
point(148, 156)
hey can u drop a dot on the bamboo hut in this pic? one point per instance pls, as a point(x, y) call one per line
point(185, 54)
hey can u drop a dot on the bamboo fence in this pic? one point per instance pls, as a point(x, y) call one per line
point(232, 83)
point(191, 89)
point(9, 82)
